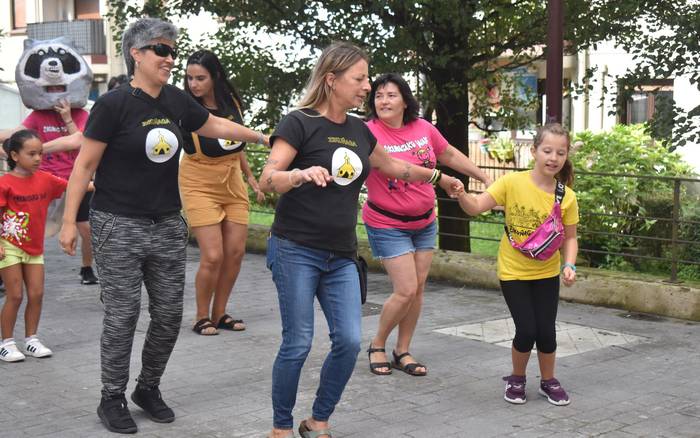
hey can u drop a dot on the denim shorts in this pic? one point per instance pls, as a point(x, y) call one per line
point(387, 243)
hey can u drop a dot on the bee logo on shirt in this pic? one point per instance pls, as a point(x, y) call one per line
point(229, 145)
point(346, 166)
point(161, 145)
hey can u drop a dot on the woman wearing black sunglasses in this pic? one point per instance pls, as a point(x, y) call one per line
point(132, 140)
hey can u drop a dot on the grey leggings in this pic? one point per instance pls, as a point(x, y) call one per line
point(128, 252)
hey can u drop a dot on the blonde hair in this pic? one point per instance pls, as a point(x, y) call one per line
point(336, 59)
point(566, 174)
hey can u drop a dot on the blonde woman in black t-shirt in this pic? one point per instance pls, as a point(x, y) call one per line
point(132, 145)
point(320, 157)
point(214, 195)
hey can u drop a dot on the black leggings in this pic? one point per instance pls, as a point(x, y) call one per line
point(533, 306)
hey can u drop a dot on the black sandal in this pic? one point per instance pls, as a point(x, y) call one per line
point(374, 365)
point(202, 325)
point(408, 368)
point(227, 322)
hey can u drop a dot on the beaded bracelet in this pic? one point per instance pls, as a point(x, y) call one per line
point(570, 265)
point(301, 180)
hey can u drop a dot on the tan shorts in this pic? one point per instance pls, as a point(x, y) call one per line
point(213, 191)
point(16, 256)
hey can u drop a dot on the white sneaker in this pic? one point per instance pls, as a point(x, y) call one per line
point(10, 353)
point(35, 348)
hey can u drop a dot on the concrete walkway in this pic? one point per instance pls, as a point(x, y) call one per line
point(627, 375)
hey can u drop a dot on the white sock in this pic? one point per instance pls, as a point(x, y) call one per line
point(6, 341)
point(29, 338)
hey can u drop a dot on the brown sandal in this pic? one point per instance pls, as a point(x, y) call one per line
point(374, 365)
point(409, 368)
point(203, 324)
point(227, 322)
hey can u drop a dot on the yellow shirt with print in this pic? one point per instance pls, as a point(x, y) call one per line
point(526, 207)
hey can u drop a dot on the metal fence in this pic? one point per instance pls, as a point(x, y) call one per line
point(672, 241)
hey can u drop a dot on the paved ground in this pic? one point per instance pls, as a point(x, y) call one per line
point(219, 386)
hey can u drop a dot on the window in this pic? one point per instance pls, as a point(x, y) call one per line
point(19, 15)
point(649, 102)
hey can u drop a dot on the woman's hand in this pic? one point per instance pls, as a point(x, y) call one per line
point(68, 238)
point(568, 276)
point(63, 109)
point(253, 183)
point(317, 174)
point(451, 185)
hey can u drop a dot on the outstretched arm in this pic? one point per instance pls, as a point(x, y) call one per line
point(454, 159)
point(250, 178)
point(476, 204)
point(219, 127)
point(65, 143)
point(395, 168)
point(275, 178)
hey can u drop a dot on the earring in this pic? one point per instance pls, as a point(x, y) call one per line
point(138, 64)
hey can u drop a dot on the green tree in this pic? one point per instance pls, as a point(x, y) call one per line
point(458, 48)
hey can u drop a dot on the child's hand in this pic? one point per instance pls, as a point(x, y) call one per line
point(63, 109)
point(568, 276)
point(2, 253)
point(451, 185)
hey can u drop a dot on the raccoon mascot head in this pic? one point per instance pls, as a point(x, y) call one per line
point(51, 70)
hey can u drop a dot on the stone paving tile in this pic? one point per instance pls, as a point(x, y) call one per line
point(220, 386)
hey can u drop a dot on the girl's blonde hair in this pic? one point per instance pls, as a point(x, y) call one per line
point(566, 174)
point(336, 59)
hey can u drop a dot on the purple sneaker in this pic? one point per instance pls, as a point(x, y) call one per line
point(515, 389)
point(554, 392)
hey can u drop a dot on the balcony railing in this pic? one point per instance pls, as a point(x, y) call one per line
point(87, 35)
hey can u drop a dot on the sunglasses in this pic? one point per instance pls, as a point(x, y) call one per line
point(161, 50)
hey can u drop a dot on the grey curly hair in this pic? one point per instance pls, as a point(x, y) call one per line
point(140, 33)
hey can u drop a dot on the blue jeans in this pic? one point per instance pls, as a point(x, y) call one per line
point(301, 273)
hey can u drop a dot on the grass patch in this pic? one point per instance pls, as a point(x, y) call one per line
point(263, 216)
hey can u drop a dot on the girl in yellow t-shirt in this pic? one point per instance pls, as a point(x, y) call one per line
point(531, 287)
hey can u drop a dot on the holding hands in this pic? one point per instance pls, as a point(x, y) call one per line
point(451, 185)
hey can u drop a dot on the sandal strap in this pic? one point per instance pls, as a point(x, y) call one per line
point(371, 350)
point(375, 365)
point(398, 358)
point(412, 366)
point(202, 324)
point(224, 318)
point(316, 433)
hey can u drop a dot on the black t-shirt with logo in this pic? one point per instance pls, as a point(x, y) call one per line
point(324, 217)
point(137, 175)
point(217, 147)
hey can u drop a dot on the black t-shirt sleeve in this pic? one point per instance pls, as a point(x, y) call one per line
point(370, 138)
point(291, 130)
point(195, 115)
point(103, 121)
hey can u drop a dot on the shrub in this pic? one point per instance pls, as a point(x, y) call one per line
point(622, 207)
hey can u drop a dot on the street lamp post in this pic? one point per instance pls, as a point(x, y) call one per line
point(555, 60)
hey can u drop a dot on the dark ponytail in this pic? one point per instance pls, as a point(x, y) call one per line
point(566, 174)
point(15, 143)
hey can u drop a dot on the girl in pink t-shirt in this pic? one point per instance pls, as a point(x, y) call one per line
point(400, 217)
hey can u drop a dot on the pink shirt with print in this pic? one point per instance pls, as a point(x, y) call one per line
point(419, 143)
point(50, 126)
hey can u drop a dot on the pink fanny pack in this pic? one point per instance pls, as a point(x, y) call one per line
point(548, 237)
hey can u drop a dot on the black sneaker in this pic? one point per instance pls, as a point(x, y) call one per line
point(115, 415)
point(151, 401)
point(87, 276)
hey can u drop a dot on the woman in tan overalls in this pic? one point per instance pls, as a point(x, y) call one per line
point(214, 195)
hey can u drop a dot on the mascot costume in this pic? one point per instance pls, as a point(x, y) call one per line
point(54, 81)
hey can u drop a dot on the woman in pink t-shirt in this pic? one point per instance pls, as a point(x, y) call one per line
point(400, 217)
